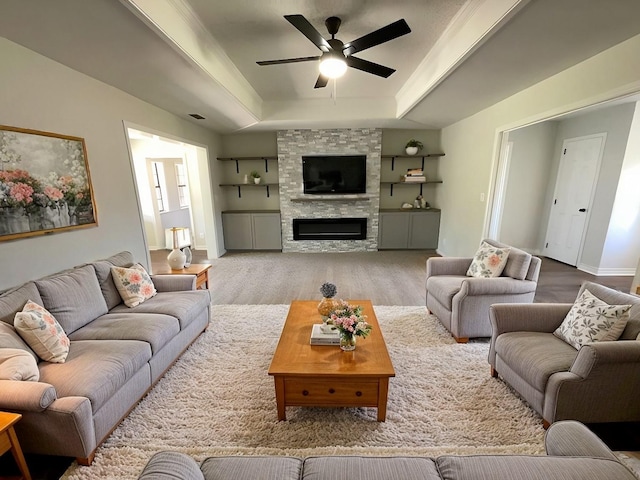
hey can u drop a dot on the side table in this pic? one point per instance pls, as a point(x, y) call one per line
point(9, 441)
point(200, 270)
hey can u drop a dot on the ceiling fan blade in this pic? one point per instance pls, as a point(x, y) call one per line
point(308, 31)
point(321, 82)
point(384, 34)
point(288, 60)
point(369, 67)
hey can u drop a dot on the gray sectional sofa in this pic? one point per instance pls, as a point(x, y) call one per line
point(116, 353)
point(573, 453)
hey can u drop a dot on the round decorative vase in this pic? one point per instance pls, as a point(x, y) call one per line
point(176, 259)
point(256, 180)
point(326, 306)
point(347, 342)
point(411, 150)
point(188, 256)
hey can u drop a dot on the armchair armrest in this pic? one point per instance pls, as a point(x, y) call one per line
point(496, 286)
point(602, 385)
point(173, 283)
point(26, 396)
point(448, 265)
point(569, 438)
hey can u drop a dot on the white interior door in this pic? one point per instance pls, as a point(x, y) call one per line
point(577, 173)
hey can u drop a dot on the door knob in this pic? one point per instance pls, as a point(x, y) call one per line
point(582, 210)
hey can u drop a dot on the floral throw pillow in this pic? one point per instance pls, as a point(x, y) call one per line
point(489, 261)
point(42, 332)
point(134, 284)
point(592, 320)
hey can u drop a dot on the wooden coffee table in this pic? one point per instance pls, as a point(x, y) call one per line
point(324, 376)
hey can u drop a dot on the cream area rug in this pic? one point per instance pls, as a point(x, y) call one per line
point(219, 400)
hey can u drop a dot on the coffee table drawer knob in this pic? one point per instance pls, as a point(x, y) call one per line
point(305, 392)
point(358, 393)
point(331, 390)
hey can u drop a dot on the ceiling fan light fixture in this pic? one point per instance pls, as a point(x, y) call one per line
point(332, 66)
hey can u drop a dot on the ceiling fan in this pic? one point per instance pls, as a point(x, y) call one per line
point(337, 55)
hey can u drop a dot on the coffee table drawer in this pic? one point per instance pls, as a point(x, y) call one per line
point(330, 392)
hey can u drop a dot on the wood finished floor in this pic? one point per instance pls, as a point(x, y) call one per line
point(300, 275)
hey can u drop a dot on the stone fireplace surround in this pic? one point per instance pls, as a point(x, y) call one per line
point(292, 144)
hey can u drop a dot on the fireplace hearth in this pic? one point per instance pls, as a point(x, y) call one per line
point(329, 228)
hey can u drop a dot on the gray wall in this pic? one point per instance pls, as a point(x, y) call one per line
point(41, 94)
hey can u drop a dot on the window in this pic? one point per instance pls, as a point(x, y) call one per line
point(183, 189)
point(158, 172)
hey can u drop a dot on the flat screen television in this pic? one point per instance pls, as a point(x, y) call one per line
point(334, 174)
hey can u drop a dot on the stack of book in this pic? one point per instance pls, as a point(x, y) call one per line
point(415, 175)
point(319, 337)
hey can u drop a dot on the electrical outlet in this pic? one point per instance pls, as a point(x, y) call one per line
point(482, 197)
point(201, 235)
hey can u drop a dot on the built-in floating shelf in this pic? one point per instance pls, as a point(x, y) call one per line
point(242, 159)
point(391, 184)
point(344, 198)
point(427, 155)
point(240, 186)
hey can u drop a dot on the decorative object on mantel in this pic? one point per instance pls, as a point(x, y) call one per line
point(406, 206)
point(176, 257)
point(45, 185)
point(413, 146)
point(351, 323)
point(256, 176)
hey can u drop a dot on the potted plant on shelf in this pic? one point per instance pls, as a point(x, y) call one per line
point(413, 146)
point(256, 176)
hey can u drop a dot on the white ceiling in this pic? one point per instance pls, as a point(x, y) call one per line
point(199, 56)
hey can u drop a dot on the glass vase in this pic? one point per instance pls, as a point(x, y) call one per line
point(325, 307)
point(347, 341)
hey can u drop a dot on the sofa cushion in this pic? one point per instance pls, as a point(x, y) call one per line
point(171, 465)
point(155, 329)
point(444, 288)
point(183, 305)
point(615, 297)
point(133, 284)
point(370, 468)
point(96, 369)
point(252, 467)
point(592, 320)
point(73, 297)
point(510, 467)
point(103, 272)
point(9, 338)
point(535, 356)
point(14, 300)
point(42, 333)
point(488, 261)
point(18, 364)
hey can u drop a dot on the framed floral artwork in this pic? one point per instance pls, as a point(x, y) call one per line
point(45, 186)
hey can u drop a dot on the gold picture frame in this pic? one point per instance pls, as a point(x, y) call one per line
point(45, 185)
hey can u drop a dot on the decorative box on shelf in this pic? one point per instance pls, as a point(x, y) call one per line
point(320, 337)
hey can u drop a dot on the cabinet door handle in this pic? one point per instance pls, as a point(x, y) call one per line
point(582, 210)
point(358, 394)
point(305, 393)
point(331, 390)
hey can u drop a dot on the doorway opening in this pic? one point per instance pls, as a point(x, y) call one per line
point(173, 190)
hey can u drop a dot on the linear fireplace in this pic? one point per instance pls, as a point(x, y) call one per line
point(329, 228)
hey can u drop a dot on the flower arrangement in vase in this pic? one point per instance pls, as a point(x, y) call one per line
point(256, 176)
point(350, 323)
point(413, 146)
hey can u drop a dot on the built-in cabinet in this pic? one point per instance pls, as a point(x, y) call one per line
point(398, 229)
point(252, 230)
point(409, 229)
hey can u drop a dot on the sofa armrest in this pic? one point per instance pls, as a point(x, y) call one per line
point(171, 465)
point(496, 286)
point(448, 266)
point(174, 283)
point(569, 438)
point(26, 396)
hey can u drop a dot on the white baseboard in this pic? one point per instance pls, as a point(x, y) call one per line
point(606, 272)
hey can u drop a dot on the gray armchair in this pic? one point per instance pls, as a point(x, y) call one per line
point(462, 303)
point(598, 383)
